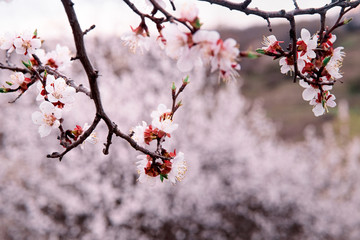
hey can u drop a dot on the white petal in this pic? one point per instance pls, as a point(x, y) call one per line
point(304, 84)
point(35, 43)
point(272, 39)
point(46, 107)
point(309, 93)
point(44, 130)
point(57, 112)
point(206, 36)
point(331, 103)
point(37, 117)
point(327, 87)
point(56, 124)
point(318, 110)
point(305, 35)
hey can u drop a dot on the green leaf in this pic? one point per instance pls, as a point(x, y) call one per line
point(173, 87)
point(9, 83)
point(186, 79)
point(35, 33)
point(326, 61)
point(261, 51)
point(162, 176)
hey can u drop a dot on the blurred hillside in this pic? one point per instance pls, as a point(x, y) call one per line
point(281, 97)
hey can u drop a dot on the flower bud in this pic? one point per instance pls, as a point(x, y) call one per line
point(3, 90)
point(261, 51)
point(28, 65)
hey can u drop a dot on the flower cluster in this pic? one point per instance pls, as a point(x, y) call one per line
point(193, 47)
point(318, 65)
point(171, 166)
point(55, 94)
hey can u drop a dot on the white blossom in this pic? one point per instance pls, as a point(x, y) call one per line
point(189, 11)
point(17, 79)
point(178, 168)
point(93, 138)
point(206, 44)
point(311, 91)
point(56, 59)
point(177, 47)
point(225, 58)
point(138, 135)
point(141, 165)
point(7, 41)
point(26, 43)
point(306, 45)
point(161, 119)
point(136, 39)
point(59, 91)
point(333, 66)
point(322, 102)
point(287, 64)
point(48, 118)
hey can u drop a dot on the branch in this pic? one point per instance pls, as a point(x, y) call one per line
point(243, 7)
point(15, 69)
point(81, 139)
point(92, 75)
point(296, 5)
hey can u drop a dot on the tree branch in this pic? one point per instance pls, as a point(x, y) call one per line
point(92, 75)
point(243, 7)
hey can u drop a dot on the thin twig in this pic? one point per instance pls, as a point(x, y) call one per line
point(89, 29)
point(296, 4)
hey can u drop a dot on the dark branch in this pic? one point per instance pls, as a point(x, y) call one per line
point(243, 7)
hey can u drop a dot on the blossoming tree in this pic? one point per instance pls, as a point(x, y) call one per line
point(312, 58)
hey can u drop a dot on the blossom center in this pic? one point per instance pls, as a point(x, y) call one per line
point(49, 119)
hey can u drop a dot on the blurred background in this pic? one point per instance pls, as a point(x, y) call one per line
point(261, 166)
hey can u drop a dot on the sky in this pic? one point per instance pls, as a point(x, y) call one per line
point(113, 17)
